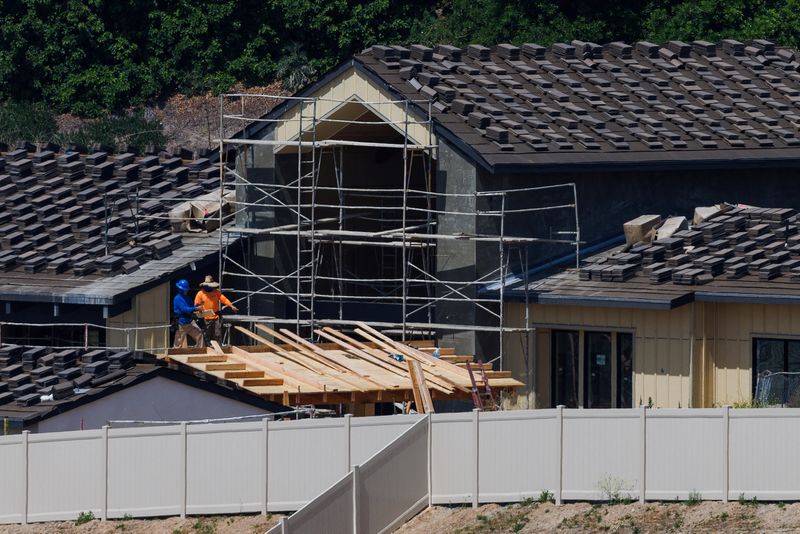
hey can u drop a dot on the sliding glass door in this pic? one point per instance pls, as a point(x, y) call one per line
point(564, 376)
point(597, 360)
point(596, 374)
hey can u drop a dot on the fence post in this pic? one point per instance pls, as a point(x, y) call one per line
point(104, 471)
point(726, 451)
point(184, 468)
point(643, 454)
point(265, 456)
point(356, 476)
point(284, 525)
point(560, 451)
point(476, 422)
point(25, 478)
point(430, 460)
point(347, 442)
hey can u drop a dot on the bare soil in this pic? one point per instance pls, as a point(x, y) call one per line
point(239, 524)
point(193, 121)
point(615, 518)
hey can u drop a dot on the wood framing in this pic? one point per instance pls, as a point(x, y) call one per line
point(344, 369)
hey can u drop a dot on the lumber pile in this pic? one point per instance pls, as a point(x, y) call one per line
point(364, 367)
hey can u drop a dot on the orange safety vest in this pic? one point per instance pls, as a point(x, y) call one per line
point(209, 300)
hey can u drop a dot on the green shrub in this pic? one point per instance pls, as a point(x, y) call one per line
point(84, 517)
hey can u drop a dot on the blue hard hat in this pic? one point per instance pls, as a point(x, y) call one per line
point(183, 285)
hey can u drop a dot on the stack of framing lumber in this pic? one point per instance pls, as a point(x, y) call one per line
point(365, 367)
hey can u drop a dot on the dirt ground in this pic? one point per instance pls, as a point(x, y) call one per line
point(615, 518)
point(240, 524)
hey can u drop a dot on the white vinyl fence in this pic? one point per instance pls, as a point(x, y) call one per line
point(448, 458)
point(377, 496)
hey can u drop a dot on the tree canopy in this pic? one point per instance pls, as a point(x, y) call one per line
point(91, 57)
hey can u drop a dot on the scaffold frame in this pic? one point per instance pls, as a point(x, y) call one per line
point(416, 237)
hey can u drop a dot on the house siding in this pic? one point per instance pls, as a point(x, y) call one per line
point(151, 308)
point(720, 335)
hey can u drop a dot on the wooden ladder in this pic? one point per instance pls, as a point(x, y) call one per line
point(482, 400)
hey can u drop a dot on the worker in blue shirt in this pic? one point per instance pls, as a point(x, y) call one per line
point(184, 309)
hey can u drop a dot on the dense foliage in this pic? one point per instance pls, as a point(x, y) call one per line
point(90, 57)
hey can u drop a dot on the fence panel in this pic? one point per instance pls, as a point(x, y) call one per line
point(305, 457)
point(225, 468)
point(763, 453)
point(329, 513)
point(78, 459)
point(685, 453)
point(392, 486)
point(452, 457)
point(145, 471)
point(368, 435)
point(516, 455)
point(12, 466)
point(600, 452)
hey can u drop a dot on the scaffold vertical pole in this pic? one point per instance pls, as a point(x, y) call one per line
point(405, 209)
point(299, 207)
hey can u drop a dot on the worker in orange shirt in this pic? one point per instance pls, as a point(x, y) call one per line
point(209, 298)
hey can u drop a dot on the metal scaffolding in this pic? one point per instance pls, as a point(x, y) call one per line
point(399, 219)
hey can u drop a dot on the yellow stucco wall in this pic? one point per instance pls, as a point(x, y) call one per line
point(722, 336)
point(151, 308)
point(351, 84)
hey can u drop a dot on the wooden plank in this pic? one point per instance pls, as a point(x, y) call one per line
point(226, 367)
point(277, 350)
point(409, 353)
point(290, 339)
point(415, 386)
point(216, 346)
point(215, 358)
point(417, 355)
point(385, 362)
point(498, 374)
point(244, 374)
point(312, 350)
point(255, 382)
point(420, 387)
point(458, 359)
point(278, 370)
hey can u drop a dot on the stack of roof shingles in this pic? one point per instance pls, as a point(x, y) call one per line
point(742, 241)
point(74, 214)
point(581, 96)
point(28, 374)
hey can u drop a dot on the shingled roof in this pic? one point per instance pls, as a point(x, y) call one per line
point(741, 254)
point(91, 227)
point(580, 103)
point(39, 382)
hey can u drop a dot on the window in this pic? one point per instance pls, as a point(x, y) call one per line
point(774, 356)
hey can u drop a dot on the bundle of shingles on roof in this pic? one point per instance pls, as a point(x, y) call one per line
point(723, 241)
point(29, 374)
point(78, 213)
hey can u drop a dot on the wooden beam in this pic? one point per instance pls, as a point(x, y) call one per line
point(255, 382)
point(278, 369)
point(422, 396)
point(209, 358)
point(225, 367)
point(388, 363)
point(409, 353)
point(276, 349)
point(243, 374)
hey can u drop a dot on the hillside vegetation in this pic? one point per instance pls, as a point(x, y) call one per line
point(92, 58)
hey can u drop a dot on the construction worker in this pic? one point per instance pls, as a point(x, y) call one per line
point(184, 310)
point(209, 298)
